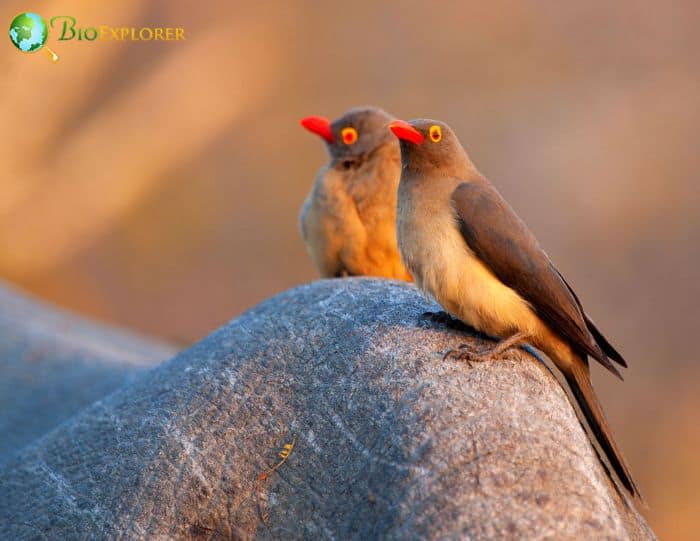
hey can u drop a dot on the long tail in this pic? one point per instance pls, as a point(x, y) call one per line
point(579, 380)
point(606, 346)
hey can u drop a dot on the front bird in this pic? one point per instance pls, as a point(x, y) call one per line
point(348, 220)
point(466, 247)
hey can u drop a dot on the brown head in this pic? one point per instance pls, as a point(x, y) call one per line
point(354, 136)
point(430, 146)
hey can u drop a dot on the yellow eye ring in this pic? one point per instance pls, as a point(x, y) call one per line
point(348, 135)
point(435, 133)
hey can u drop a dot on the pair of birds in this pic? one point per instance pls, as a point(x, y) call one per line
point(403, 200)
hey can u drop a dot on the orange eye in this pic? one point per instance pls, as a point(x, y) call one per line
point(435, 133)
point(349, 135)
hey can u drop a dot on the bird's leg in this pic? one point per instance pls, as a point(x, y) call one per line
point(447, 320)
point(438, 317)
point(463, 353)
point(506, 344)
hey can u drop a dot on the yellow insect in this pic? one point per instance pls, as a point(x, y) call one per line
point(263, 476)
point(284, 453)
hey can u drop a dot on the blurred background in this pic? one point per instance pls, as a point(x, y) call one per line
point(157, 185)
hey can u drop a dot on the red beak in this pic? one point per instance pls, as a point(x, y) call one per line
point(403, 130)
point(318, 125)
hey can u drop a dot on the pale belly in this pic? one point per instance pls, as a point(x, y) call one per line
point(337, 236)
point(446, 269)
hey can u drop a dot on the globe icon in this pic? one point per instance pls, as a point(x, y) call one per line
point(28, 32)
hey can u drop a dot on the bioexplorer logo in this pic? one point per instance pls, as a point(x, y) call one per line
point(29, 32)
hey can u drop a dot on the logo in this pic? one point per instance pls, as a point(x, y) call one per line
point(28, 32)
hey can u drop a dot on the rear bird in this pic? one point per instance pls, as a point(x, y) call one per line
point(466, 247)
point(348, 220)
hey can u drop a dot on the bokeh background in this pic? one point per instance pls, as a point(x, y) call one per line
point(157, 185)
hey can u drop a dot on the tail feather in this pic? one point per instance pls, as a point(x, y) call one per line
point(606, 346)
point(578, 379)
point(603, 359)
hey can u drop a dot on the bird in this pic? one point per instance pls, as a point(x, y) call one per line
point(467, 248)
point(348, 219)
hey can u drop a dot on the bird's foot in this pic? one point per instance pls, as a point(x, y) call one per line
point(504, 345)
point(463, 353)
point(438, 317)
point(447, 320)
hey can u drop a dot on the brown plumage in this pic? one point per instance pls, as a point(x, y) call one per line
point(466, 247)
point(348, 221)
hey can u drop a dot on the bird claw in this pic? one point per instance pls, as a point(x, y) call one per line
point(462, 353)
point(447, 320)
point(437, 317)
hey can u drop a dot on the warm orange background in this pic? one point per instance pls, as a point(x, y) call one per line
point(157, 185)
